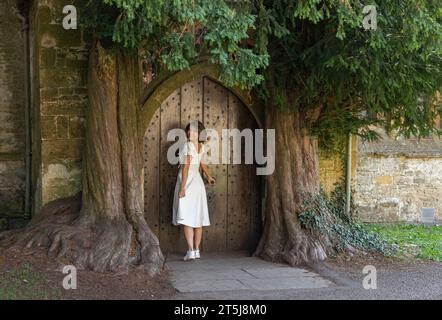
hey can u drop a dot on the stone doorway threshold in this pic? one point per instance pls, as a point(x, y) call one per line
point(227, 271)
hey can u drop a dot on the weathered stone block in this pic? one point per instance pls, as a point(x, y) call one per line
point(62, 127)
point(76, 127)
point(62, 77)
point(54, 151)
point(65, 91)
point(12, 174)
point(54, 35)
point(48, 94)
point(47, 57)
point(11, 201)
point(419, 180)
point(61, 179)
point(81, 91)
point(384, 180)
point(76, 63)
point(389, 203)
point(64, 107)
point(331, 170)
point(48, 127)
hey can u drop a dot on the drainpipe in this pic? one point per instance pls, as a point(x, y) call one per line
point(28, 137)
point(348, 175)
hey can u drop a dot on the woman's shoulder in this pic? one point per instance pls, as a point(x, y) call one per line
point(188, 147)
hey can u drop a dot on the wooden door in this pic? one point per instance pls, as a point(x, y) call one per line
point(234, 202)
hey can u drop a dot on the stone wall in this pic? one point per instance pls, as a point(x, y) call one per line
point(395, 178)
point(61, 61)
point(331, 170)
point(12, 118)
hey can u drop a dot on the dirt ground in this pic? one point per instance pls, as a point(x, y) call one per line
point(35, 276)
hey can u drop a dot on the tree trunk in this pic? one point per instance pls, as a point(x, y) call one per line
point(109, 232)
point(296, 177)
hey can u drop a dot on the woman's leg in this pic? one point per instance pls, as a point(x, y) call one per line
point(198, 235)
point(188, 234)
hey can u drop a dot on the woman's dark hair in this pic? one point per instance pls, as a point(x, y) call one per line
point(200, 129)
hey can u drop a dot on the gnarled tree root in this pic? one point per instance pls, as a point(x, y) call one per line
point(105, 245)
point(295, 250)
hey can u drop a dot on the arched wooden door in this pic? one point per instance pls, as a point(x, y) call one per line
point(234, 203)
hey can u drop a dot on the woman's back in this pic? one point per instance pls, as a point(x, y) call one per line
point(189, 148)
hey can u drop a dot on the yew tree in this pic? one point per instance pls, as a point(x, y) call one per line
point(317, 70)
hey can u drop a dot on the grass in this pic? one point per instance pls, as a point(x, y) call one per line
point(23, 283)
point(419, 241)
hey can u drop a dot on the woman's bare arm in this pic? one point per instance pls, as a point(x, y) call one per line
point(205, 169)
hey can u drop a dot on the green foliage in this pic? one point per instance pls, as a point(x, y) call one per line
point(315, 53)
point(174, 33)
point(424, 242)
point(325, 216)
point(354, 77)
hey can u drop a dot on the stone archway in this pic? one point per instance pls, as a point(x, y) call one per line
point(235, 202)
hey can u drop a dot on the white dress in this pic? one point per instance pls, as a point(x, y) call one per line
point(191, 210)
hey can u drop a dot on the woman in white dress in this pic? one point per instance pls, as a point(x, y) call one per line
point(190, 200)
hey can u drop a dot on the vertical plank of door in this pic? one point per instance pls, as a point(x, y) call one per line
point(191, 109)
point(170, 119)
point(152, 173)
point(216, 117)
point(251, 190)
point(191, 102)
point(253, 187)
point(239, 183)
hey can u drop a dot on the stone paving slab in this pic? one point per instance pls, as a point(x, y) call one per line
point(286, 283)
point(238, 271)
point(278, 272)
point(208, 285)
point(214, 274)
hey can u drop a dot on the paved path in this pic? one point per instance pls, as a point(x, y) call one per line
point(239, 271)
point(236, 276)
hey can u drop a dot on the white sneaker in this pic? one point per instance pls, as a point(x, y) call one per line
point(190, 255)
point(197, 254)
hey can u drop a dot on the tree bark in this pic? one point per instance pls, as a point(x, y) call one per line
point(296, 178)
point(106, 229)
